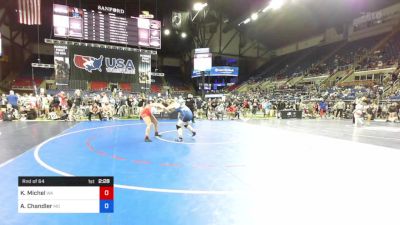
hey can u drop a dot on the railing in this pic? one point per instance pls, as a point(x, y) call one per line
point(390, 89)
point(345, 67)
point(5, 84)
point(378, 70)
point(22, 88)
point(368, 83)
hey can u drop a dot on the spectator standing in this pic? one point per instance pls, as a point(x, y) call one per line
point(231, 112)
point(280, 106)
point(76, 105)
point(339, 106)
point(199, 108)
point(322, 108)
point(3, 101)
point(104, 99)
point(212, 109)
point(63, 104)
point(205, 106)
point(123, 109)
point(245, 107)
point(392, 113)
point(12, 99)
point(254, 108)
point(130, 104)
point(266, 107)
point(358, 115)
point(219, 111)
point(45, 104)
point(190, 103)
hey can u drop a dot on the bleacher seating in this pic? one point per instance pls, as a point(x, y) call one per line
point(312, 63)
point(233, 87)
point(98, 85)
point(25, 83)
point(308, 61)
point(155, 88)
point(156, 85)
point(274, 79)
point(282, 64)
point(125, 86)
point(41, 73)
point(173, 77)
point(391, 50)
point(296, 63)
point(353, 51)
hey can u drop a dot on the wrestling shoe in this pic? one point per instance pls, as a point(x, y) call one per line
point(193, 134)
point(147, 139)
point(179, 140)
point(157, 135)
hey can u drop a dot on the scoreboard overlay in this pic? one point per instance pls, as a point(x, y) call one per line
point(65, 194)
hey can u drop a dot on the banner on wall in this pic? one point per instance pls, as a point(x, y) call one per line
point(61, 64)
point(224, 71)
point(145, 69)
point(216, 71)
point(109, 65)
point(145, 72)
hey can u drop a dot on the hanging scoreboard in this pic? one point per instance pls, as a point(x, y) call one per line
point(71, 22)
point(65, 194)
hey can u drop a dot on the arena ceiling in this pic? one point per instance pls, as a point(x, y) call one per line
point(159, 8)
point(294, 21)
point(298, 19)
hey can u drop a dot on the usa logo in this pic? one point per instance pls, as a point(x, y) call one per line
point(88, 63)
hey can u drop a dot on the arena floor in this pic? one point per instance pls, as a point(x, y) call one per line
point(233, 172)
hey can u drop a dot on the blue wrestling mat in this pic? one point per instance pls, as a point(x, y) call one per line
point(230, 173)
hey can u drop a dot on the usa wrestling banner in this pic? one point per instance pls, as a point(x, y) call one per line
point(110, 65)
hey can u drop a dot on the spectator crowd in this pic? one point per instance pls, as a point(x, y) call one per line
point(78, 105)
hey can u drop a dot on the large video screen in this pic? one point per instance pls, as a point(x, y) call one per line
point(202, 62)
point(71, 22)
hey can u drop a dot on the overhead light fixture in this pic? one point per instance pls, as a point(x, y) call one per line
point(254, 16)
point(183, 35)
point(198, 6)
point(247, 21)
point(167, 32)
point(274, 5)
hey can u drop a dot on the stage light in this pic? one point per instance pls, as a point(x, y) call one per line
point(274, 5)
point(277, 4)
point(167, 32)
point(183, 35)
point(247, 21)
point(254, 16)
point(198, 6)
